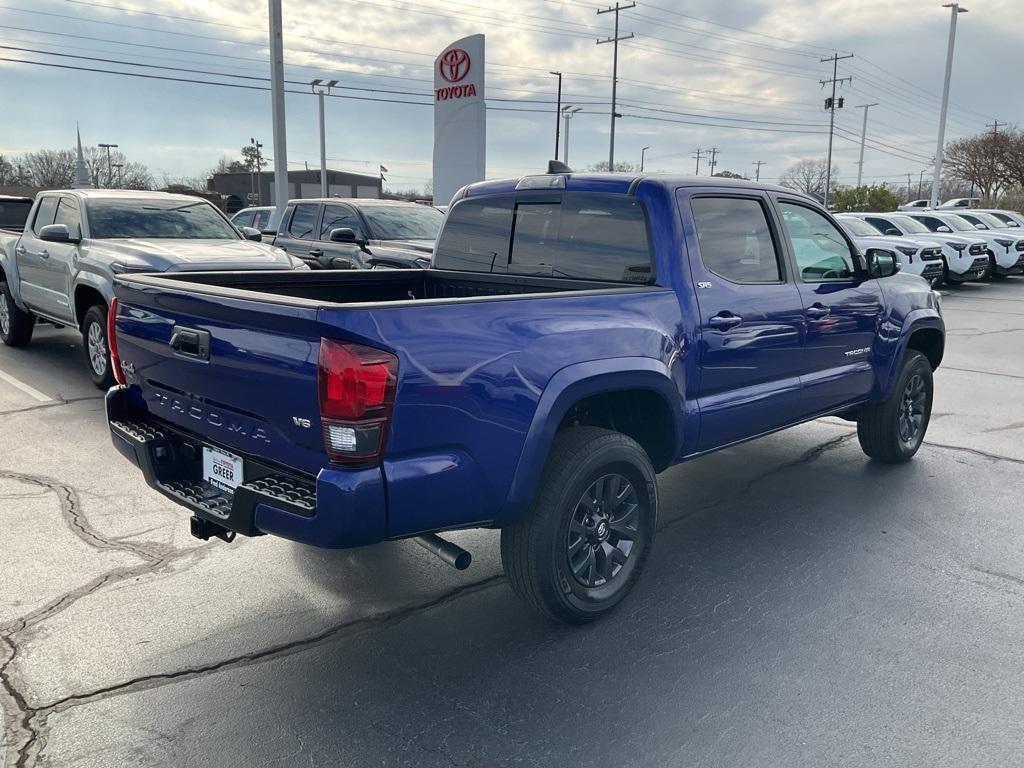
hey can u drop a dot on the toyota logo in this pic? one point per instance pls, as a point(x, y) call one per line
point(453, 65)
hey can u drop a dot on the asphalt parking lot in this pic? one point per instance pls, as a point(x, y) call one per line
point(802, 607)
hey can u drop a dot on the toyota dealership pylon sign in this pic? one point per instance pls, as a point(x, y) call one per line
point(460, 117)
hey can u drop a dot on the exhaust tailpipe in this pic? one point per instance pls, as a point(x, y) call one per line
point(453, 554)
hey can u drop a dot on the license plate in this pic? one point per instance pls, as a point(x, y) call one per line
point(221, 469)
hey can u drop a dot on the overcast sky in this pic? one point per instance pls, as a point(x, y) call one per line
point(701, 73)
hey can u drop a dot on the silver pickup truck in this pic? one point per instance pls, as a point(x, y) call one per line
point(61, 268)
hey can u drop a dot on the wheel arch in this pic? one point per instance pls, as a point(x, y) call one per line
point(88, 293)
point(602, 389)
point(924, 332)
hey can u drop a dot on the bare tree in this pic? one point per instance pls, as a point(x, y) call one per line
point(1013, 159)
point(808, 176)
point(8, 174)
point(50, 168)
point(980, 160)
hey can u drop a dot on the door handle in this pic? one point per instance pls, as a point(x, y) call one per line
point(725, 320)
point(20, 251)
point(818, 311)
point(316, 252)
point(44, 254)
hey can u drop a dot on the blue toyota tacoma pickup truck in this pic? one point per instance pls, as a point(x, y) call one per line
point(577, 334)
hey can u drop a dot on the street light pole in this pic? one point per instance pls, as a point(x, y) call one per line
point(863, 137)
point(955, 10)
point(120, 175)
point(558, 110)
point(567, 112)
point(110, 172)
point(320, 93)
point(643, 150)
point(276, 36)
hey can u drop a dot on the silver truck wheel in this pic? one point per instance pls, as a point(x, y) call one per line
point(94, 344)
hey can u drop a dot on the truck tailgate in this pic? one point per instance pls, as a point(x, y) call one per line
point(251, 391)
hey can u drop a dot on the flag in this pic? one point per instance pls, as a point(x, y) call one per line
point(383, 169)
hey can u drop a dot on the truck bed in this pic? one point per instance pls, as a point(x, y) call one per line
point(373, 287)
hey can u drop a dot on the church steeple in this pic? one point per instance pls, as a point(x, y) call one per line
point(81, 173)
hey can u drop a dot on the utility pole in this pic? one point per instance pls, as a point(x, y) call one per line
point(863, 137)
point(697, 153)
point(757, 173)
point(955, 10)
point(615, 73)
point(909, 198)
point(643, 150)
point(120, 175)
point(257, 178)
point(714, 153)
point(320, 92)
point(277, 112)
point(568, 111)
point(558, 110)
point(830, 105)
point(110, 172)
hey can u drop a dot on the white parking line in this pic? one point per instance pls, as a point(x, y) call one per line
point(30, 391)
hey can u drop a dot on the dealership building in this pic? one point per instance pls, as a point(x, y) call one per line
point(244, 189)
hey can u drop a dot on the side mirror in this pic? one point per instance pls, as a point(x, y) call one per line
point(893, 232)
point(980, 226)
point(943, 228)
point(882, 263)
point(57, 233)
point(346, 235)
point(251, 233)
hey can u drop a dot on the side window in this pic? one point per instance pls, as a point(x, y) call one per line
point(67, 214)
point(735, 240)
point(476, 235)
point(260, 219)
point(45, 213)
point(303, 221)
point(338, 216)
point(882, 225)
point(932, 223)
point(243, 219)
point(821, 251)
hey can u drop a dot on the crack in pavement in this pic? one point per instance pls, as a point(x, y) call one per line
point(34, 719)
point(984, 373)
point(71, 511)
point(58, 402)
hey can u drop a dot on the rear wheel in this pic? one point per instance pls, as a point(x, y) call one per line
point(582, 545)
point(893, 430)
point(94, 344)
point(15, 324)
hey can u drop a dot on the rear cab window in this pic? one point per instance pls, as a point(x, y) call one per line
point(579, 235)
point(303, 221)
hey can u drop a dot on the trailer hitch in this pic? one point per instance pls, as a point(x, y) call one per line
point(204, 529)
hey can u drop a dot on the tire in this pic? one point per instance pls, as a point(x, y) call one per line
point(597, 494)
point(95, 347)
point(16, 325)
point(893, 430)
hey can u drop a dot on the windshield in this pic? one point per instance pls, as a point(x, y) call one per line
point(402, 222)
point(1008, 221)
point(859, 227)
point(989, 220)
point(958, 223)
point(149, 218)
point(911, 225)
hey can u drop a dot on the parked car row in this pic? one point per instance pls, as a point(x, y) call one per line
point(951, 247)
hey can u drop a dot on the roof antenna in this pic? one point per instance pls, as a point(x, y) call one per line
point(556, 166)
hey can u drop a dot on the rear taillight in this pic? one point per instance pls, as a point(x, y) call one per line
point(357, 393)
point(115, 359)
